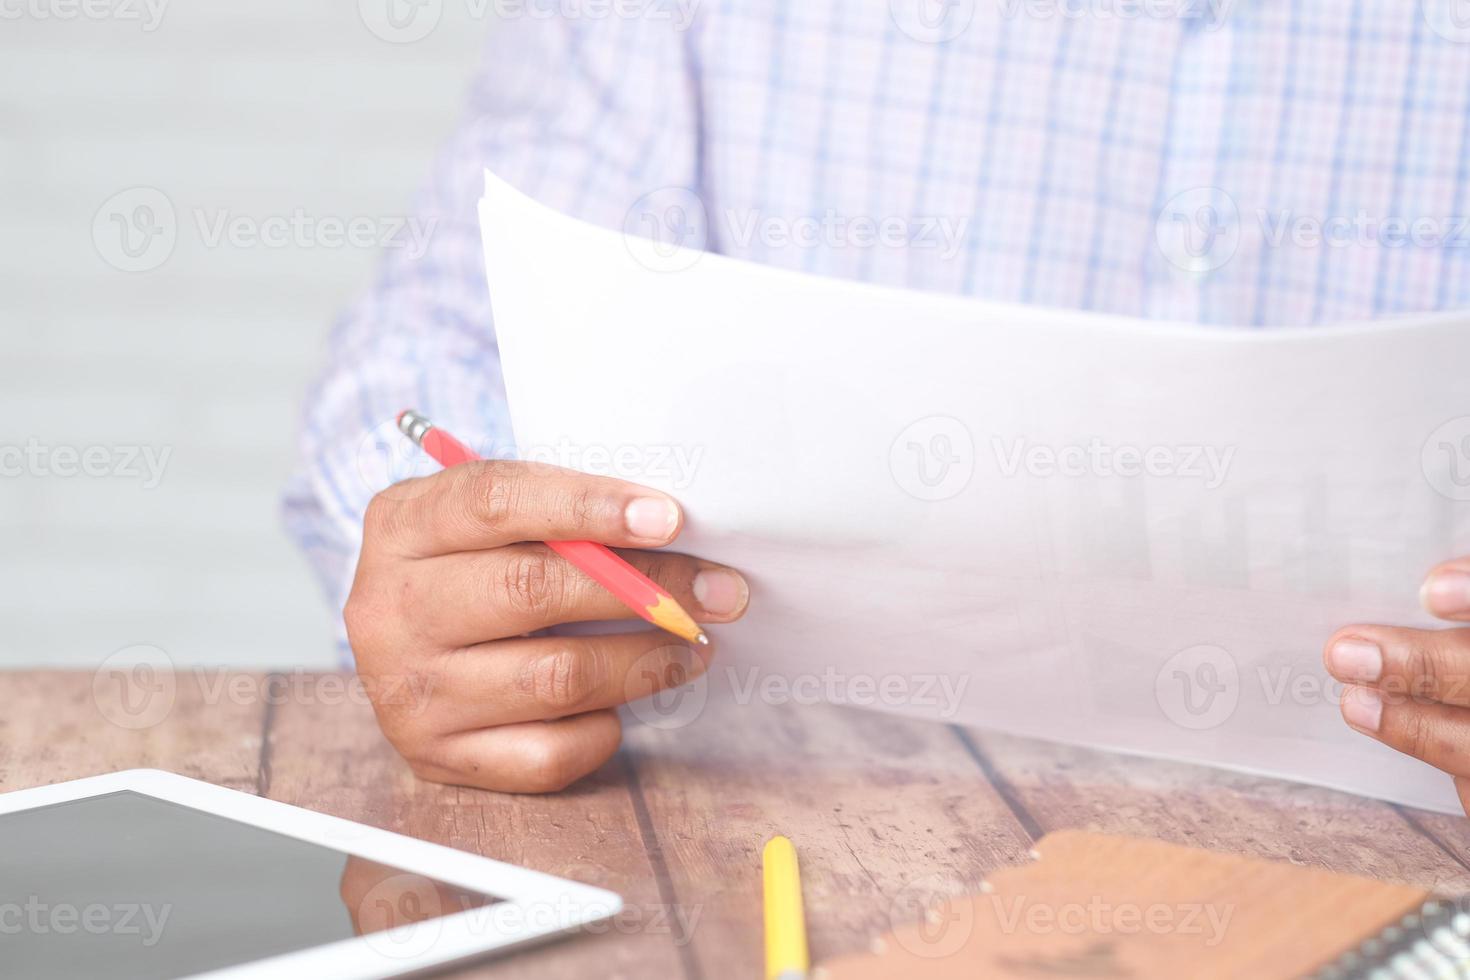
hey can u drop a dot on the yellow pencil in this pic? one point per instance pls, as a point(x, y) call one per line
point(786, 953)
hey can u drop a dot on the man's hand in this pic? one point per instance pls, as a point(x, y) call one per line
point(1410, 689)
point(451, 581)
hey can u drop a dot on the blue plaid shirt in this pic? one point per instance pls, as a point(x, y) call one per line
point(1240, 162)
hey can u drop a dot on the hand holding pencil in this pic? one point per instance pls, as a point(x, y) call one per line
point(455, 580)
point(639, 592)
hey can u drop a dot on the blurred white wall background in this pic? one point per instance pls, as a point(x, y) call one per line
point(255, 109)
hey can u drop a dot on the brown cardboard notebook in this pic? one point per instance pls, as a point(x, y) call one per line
point(1093, 905)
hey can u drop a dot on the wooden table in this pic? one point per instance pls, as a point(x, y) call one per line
point(886, 812)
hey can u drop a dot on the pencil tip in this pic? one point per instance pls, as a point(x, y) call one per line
point(702, 640)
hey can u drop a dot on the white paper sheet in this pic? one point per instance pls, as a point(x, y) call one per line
point(1087, 528)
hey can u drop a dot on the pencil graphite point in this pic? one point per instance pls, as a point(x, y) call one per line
point(702, 640)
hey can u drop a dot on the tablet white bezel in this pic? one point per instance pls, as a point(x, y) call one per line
point(535, 906)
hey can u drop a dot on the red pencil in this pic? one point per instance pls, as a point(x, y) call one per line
point(639, 592)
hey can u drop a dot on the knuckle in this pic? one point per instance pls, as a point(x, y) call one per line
point(408, 731)
point(668, 570)
point(1452, 663)
point(565, 680)
point(1419, 665)
point(584, 506)
point(382, 519)
point(1417, 732)
point(1434, 665)
point(405, 739)
point(436, 760)
point(364, 619)
point(378, 611)
point(498, 493)
point(546, 766)
point(427, 770)
point(529, 585)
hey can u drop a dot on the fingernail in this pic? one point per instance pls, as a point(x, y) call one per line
point(652, 518)
point(1446, 593)
point(1355, 660)
point(1362, 708)
point(720, 591)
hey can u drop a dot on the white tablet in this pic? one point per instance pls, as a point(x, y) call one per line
point(149, 874)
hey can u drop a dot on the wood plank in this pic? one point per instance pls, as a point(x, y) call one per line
point(1070, 787)
point(885, 813)
point(55, 726)
point(326, 753)
point(1452, 833)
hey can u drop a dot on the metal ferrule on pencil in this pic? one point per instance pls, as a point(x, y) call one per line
point(414, 425)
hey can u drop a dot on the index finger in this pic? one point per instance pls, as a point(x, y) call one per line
point(492, 503)
point(1428, 665)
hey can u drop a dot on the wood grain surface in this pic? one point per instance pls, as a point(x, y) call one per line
point(887, 813)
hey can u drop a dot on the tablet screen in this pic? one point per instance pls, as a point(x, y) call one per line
point(126, 885)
